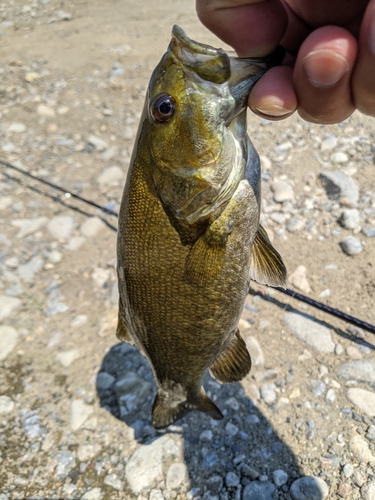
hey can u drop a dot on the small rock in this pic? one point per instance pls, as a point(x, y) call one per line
point(7, 306)
point(368, 491)
point(111, 175)
point(65, 462)
point(358, 479)
point(348, 470)
point(282, 191)
point(31, 76)
point(79, 413)
point(265, 375)
point(232, 480)
point(351, 245)
point(339, 157)
point(176, 475)
point(61, 226)
point(360, 449)
point(256, 353)
point(97, 143)
point(353, 352)
point(309, 488)
point(144, 469)
point(45, 111)
point(364, 400)
point(231, 429)
point(369, 232)
point(210, 460)
point(278, 217)
point(29, 226)
point(259, 491)
point(328, 143)
point(100, 276)
point(113, 481)
point(339, 185)
point(295, 225)
point(339, 350)
point(66, 358)
point(31, 425)
point(8, 340)
point(311, 332)
point(92, 227)
point(157, 495)
point(317, 387)
point(6, 405)
point(268, 394)
point(280, 477)
point(64, 16)
point(344, 490)
point(78, 321)
point(214, 485)
point(93, 494)
point(87, 452)
point(371, 433)
point(349, 218)
point(104, 381)
point(17, 128)
point(299, 279)
point(75, 243)
point(27, 271)
point(330, 396)
point(362, 370)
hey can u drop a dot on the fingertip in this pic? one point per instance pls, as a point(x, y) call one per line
point(322, 74)
point(273, 96)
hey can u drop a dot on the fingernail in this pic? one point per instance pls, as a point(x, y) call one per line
point(274, 110)
point(324, 68)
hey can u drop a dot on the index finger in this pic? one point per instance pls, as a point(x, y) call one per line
point(253, 28)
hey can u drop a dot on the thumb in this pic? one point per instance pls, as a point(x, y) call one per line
point(252, 27)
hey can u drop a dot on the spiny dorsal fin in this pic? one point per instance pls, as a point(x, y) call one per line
point(267, 266)
point(234, 363)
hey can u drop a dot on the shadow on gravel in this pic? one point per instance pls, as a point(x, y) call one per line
point(349, 335)
point(243, 442)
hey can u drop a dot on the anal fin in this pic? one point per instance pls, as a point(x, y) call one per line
point(165, 413)
point(122, 332)
point(267, 266)
point(234, 363)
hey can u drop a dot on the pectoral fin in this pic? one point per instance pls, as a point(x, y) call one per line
point(204, 262)
point(234, 363)
point(267, 266)
point(165, 413)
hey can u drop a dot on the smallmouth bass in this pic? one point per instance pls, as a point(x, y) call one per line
point(189, 238)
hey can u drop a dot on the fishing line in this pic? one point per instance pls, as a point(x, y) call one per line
point(314, 303)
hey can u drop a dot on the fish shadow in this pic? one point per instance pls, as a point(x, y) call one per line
point(244, 442)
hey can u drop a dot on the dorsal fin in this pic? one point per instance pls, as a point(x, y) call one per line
point(267, 266)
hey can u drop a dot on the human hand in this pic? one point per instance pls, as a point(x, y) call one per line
point(329, 69)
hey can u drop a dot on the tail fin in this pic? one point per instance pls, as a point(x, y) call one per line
point(165, 413)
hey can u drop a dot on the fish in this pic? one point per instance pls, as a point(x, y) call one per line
point(189, 238)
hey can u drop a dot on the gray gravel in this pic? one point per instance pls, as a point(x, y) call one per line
point(75, 404)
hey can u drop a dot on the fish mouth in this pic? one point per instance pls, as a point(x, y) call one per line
point(218, 66)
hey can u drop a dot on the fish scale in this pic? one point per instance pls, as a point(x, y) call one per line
point(186, 252)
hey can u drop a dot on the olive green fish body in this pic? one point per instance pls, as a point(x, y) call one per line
point(189, 238)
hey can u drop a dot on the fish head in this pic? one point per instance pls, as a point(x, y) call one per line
point(197, 114)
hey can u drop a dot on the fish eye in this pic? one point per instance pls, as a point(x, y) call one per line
point(163, 108)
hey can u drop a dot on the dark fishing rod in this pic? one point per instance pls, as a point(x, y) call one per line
point(59, 188)
point(318, 305)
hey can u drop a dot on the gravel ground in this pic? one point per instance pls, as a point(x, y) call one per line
point(74, 403)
